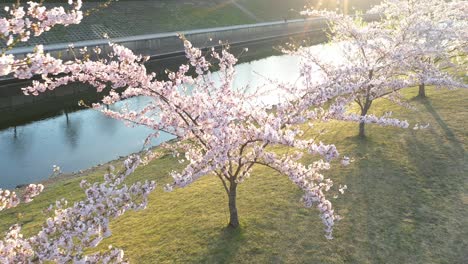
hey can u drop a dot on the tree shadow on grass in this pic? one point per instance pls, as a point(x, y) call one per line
point(448, 132)
point(411, 191)
point(224, 248)
point(437, 209)
point(376, 186)
point(438, 158)
point(405, 194)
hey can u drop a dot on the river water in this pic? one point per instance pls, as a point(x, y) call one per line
point(77, 140)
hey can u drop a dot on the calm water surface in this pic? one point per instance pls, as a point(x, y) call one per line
point(86, 138)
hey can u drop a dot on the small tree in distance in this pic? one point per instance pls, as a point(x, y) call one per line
point(362, 68)
point(375, 61)
point(434, 33)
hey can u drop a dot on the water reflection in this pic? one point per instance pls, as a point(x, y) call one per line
point(71, 130)
point(81, 140)
point(19, 141)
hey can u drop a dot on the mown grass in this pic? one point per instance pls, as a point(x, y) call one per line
point(275, 9)
point(407, 202)
point(280, 9)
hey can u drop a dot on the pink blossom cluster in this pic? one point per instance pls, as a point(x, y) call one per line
point(79, 71)
point(31, 191)
point(37, 63)
point(66, 235)
point(22, 22)
point(9, 199)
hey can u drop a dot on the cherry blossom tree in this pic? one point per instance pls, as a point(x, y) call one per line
point(374, 61)
point(69, 231)
point(435, 32)
point(221, 130)
point(363, 68)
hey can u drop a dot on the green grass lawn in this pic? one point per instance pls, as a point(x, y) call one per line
point(407, 202)
point(281, 9)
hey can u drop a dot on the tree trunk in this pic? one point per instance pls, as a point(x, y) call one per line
point(422, 91)
point(362, 124)
point(234, 218)
point(362, 132)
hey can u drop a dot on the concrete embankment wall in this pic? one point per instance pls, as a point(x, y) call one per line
point(165, 44)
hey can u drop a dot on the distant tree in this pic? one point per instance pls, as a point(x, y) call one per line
point(363, 68)
point(374, 61)
point(435, 33)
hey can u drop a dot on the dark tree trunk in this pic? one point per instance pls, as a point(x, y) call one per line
point(362, 124)
point(362, 131)
point(234, 218)
point(365, 108)
point(422, 91)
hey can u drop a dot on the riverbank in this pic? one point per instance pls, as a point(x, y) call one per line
point(407, 201)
